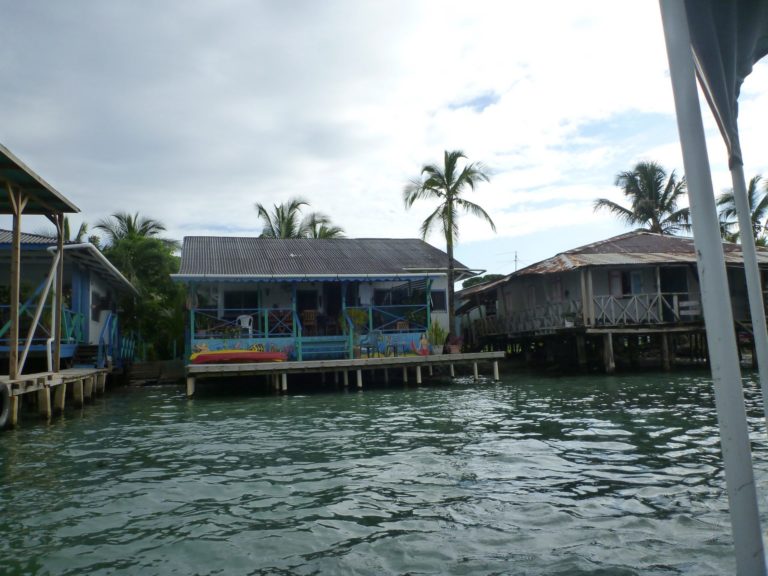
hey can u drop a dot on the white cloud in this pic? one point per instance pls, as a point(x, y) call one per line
point(192, 112)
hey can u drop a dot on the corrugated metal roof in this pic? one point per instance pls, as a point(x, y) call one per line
point(633, 248)
point(6, 237)
point(241, 256)
point(42, 199)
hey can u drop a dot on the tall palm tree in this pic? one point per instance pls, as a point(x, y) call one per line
point(123, 225)
point(757, 197)
point(446, 184)
point(287, 221)
point(653, 197)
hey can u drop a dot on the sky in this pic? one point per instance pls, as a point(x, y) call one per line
point(190, 112)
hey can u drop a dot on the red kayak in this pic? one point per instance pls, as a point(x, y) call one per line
point(229, 356)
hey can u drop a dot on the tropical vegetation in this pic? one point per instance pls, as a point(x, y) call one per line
point(757, 198)
point(446, 184)
point(654, 196)
point(288, 221)
point(133, 244)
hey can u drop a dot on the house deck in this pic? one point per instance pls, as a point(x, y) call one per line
point(278, 371)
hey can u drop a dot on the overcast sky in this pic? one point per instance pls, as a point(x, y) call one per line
point(192, 111)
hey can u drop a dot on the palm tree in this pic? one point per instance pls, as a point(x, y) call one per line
point(445, 184)
point(122, 225)
point(758, 211)
point(287, 221)
point(653, 198)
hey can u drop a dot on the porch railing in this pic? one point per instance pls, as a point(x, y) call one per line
point(635, 309)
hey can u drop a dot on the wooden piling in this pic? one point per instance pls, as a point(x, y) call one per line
point(190, 386)
point(666, 363)
point(59, 395)
point(581, 351)
point(88, 389)
point(608, 360)
point(418, 374)
point(386, 376)
point(44, 402)
point(346, 379)
point(474, 369)
point(405, 375)
point(77, 392)
point(496, 371)
point(453, 372)
point(284, 381)
point(359, 373)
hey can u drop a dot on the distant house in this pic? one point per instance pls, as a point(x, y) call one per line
point(92, 287)
point(639, 282)
point(313, 298)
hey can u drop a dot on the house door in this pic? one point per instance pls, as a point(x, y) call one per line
point(673, 281)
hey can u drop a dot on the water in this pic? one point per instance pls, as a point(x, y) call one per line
point(589, 475)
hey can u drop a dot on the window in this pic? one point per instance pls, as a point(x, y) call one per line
point(439, 300)
point(241, 300)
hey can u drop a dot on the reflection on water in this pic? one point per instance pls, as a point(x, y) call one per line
point(590, 475)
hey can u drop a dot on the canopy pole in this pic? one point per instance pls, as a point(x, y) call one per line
point(59, 292)
point(752, 273)
point(729, 398)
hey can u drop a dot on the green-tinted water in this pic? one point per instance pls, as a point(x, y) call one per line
point(589, 475)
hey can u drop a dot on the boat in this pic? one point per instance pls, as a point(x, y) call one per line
point(233, 356)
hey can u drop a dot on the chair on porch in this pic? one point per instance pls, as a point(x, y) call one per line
point(245, 322)
point(309, 322)
point(371, 343)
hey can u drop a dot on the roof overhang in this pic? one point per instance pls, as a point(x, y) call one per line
point(43, 199)
point(91, 257)
point(201, 278)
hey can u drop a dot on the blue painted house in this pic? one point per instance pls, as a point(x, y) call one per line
point(92, 287)
point(314, 298)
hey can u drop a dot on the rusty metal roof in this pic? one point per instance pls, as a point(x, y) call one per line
point(633, 248)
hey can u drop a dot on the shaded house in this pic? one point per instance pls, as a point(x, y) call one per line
point(642, 282)
point(313, 298)
point(91, 289)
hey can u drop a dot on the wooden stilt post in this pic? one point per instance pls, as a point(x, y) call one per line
point(88, 389)
point(608, 361)
point(405, 374)
point(77, 392)
point(474, 369)
point(418, 374)
point(44, 402)
point(581, 351)
point(59, 293)
point(665, 360)
point(359, 378)
point(101, 382)
point(59, 395)
point(13, 417)
point(190, 386)
point(496, 371)
point(386, 376)
point(346, 378)
point(336, 377)
point(322, 378)
point(453, 372)
point(431, 372)
point(284, 382)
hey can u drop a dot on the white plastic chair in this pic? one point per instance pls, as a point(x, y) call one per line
point(245, 322)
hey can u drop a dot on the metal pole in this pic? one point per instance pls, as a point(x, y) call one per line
point(59, 300)
point(729, 398)
point(752, 273)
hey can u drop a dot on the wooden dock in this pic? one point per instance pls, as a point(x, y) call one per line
point(279, 371)
point(52, 389)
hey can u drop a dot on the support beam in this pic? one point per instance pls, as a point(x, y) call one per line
point(666, 364)
point(284, 382)
point(496, 371)
point(418, 374)
point(474, 370)
point(346, 379)
point(453, 371)
point(431, 372)
point(386, 376)
point(101, 383)
point(13, 417)
point(405, 374)
point(59, 395)
point(581, 351)
point(608, 361)
point(44, 402)
point(59, 294)
point(88, 389)
point(359, 373)
point(78, 398)
point(17, 202)
point(190, 386)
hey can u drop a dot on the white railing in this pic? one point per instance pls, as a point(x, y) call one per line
point(635, 309)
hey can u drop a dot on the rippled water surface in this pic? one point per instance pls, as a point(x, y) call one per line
point(536, 475)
